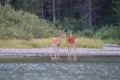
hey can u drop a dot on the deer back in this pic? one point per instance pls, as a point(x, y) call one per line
point(71, 40)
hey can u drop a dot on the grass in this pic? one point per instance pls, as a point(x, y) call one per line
point(112, 41)
point(38, 43)
point(90, 43)
point(16, 43)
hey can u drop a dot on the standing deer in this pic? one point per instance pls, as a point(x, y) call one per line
point(55, 44)
point(71, 43)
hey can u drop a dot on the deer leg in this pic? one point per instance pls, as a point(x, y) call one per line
point(75, 58)
point(58, 56)
point(55, 54)
point(68, 53)
point(51, 54)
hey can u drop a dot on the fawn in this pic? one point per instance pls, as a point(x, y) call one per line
point(71, 43)
point(55, 43)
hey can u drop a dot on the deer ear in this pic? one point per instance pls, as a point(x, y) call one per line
point(68, 30)
point(63, 31)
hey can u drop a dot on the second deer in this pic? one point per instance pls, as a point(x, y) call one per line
point(71, 42)
point(55, 44)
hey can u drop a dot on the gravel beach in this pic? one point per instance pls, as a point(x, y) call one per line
point(107, 50)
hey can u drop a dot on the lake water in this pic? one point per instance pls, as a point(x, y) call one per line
point(60, 71)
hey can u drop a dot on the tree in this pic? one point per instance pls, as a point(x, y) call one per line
point(87, 12)
point(102, 12)
point(54, 18)
point(116, 12)
point(3, 2)
point(42, 9)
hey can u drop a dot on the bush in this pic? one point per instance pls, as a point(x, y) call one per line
point(23, 25)
point(71, 24)
point(85, 33)
point(108, 32)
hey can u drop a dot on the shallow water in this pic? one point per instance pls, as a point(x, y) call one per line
point(60, 71)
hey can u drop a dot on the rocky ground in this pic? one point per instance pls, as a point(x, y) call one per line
point(107, 50)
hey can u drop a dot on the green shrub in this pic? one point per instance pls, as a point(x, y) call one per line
point(23, 25)
point(72, 24)
point(87, 33)
point(108, 32)
point(112, 41)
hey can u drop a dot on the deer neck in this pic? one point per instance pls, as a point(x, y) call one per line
point(69, 36)
point(60, 38)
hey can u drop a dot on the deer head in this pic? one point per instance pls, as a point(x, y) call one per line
point(62, 34)
point(69, 33)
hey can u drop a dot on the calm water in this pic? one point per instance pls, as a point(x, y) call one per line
point(60, 71)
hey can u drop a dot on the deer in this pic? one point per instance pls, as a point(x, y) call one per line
point(55, 44)
point(71, 42)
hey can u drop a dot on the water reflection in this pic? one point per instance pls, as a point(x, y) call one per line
point(60, 71)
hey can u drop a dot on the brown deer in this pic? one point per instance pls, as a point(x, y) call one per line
point(55, 44)
point(71, 42)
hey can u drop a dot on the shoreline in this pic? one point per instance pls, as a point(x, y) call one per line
point(62, 59)
point(107, 53)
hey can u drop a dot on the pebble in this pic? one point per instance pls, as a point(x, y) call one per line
point(105, 51)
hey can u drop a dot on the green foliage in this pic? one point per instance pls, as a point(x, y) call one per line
point(72, 24)
point(116, 11)
point(23, 25)
point(85, 33)
point(112, 41)
point(109, 32)
point(45, 42)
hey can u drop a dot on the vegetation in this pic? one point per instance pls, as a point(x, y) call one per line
point(108, 32)
point(32, 20)
point(72, 24)
point(112, 41)
point(37, 43)
point(23, 25)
